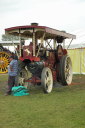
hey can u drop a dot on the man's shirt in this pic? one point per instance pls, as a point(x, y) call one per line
point(14, 65)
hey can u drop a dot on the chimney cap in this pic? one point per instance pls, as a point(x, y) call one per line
point(34, 24)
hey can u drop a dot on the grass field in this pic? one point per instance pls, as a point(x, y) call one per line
point(63, 108)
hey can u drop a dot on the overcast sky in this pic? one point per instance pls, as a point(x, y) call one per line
point(68, 15)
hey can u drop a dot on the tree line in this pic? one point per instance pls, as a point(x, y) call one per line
point(7, 37)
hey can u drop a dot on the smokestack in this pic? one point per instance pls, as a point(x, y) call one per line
point(34, 24)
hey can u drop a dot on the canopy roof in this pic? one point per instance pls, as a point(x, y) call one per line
point(27, 31)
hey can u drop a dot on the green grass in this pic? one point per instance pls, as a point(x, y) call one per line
point(3, 77)
point(62, 108)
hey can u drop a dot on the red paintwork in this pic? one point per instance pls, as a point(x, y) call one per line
point(46, 64)
point(25, 54)
point(30, 49)
point(54, 75)
point(36, 59)
point(34, 80)
point(60, 55)
point(21, 58)
point(64, 51)
point(27, 26)
point(52, 57)
point(30, 56)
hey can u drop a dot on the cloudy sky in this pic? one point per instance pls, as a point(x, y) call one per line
point(68, 15)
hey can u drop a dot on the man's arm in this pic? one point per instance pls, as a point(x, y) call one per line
point(11, 68)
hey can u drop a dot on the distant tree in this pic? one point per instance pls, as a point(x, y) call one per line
point(7, 37)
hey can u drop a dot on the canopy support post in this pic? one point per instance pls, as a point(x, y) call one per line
point(40, 44)
point(69, 44)
point(54, 42)
point(64, 44)
point(34, 44)
point(14, 45)
point(20, 45)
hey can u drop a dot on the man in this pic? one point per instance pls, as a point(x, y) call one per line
point(12, 72)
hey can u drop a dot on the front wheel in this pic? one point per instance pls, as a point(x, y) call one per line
point(46, 80)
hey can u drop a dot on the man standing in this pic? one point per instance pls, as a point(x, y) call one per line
point(12, 72)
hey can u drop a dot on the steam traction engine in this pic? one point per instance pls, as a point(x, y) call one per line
point(4, 57)
point(46, 63)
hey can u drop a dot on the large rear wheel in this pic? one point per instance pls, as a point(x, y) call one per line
point(65, 70)
point(22, 75)
point(47, 80)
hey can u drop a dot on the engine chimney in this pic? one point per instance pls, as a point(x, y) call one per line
point(34, 24)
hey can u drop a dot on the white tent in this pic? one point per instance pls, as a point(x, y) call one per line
point(77, 54)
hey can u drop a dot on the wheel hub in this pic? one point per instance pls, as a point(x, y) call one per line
point(1, 62)
point(48, 82)
point(21, 80)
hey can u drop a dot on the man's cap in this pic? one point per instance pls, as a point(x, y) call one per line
point(11, 57)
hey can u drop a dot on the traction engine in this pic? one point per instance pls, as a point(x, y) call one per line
point(46, 63)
